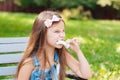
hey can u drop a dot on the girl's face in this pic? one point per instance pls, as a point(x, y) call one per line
point(55, 33)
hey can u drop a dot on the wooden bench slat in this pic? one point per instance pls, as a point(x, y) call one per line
point(10, 58)
point(9, 46)
point(12, 47)
point(13, 40)
point(4, 71)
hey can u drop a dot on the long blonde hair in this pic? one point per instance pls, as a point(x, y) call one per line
point(37, 39)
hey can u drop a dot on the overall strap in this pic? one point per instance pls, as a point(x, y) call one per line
point(54, 70)
point(36, 61)
point(54, 67)
point(56, 56)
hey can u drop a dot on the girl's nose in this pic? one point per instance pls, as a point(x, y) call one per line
point(62, 35)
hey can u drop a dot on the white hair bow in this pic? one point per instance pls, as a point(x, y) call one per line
point(48, 22)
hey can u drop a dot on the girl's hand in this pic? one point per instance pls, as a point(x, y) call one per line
point(74, 44)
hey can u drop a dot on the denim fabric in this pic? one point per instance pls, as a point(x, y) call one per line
point(52, 72)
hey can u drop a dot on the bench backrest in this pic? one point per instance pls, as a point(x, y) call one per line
point(10, 53)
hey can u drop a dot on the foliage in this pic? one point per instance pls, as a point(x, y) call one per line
point(116, 4)
point(91, 4)
point(99, 40)
point(113, 3)
point(25, 3)
point(104, 3)
point(41, 2)
point(58, 3)
point(76, 13)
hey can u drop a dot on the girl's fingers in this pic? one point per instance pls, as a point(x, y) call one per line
point(76, 40)
point(73, 41)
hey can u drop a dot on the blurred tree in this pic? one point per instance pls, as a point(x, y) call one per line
point(98, 8)
point(112, 3)
point(110, 7)
point(57, 4)
point(24, 3)
point(116, 4)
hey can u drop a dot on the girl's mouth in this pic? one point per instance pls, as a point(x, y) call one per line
point(61, 42)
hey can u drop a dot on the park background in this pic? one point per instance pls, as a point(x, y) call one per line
point(96, 23)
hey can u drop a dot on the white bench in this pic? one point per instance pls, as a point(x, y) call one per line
point(10, 54)
point(11, 50)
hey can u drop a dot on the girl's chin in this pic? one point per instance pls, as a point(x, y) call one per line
point(59, 46)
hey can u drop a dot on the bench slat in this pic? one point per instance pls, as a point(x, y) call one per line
point(10, 58)
point(12, 47)
point(4, 71)
point(13, 40)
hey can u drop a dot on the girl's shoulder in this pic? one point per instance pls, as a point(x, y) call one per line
point(26, 69)
point(28, 62)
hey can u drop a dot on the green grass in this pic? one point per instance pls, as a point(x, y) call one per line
point(18, 24)
point(100, 40)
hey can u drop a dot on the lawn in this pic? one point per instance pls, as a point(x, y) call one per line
point(100, 40)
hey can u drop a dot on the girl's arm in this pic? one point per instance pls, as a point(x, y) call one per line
point(25, 70)
point(81, 68)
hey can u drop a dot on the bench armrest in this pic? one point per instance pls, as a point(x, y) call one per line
point(73, 76)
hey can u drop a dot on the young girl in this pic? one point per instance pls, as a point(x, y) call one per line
point(44, 59)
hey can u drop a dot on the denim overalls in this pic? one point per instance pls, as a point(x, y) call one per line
point(52, 72)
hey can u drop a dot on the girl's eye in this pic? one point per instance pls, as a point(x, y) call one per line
point(57, 31)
